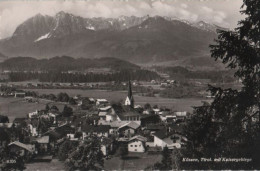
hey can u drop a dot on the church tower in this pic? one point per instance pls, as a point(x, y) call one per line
point(129, 101)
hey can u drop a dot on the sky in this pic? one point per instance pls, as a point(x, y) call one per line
point(224, 13)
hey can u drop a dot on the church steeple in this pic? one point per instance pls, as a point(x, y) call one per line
point(129, 101)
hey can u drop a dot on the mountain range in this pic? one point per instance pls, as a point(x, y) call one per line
point(137, 39)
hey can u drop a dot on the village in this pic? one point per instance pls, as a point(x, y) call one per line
point(119, 127)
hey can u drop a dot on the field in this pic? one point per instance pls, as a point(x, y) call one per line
point(134, 161)
point(184, 104)
point(17, 107)
point(53, 165)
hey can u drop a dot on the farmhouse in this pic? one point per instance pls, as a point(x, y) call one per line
point(103, 102)
point(128, 130)
point(103, 112)
point(24, 149)
point(19, 94)
point(99, 130)
point(165, 138)
point(137, 144)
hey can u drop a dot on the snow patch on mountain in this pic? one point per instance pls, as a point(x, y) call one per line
point(46, 36)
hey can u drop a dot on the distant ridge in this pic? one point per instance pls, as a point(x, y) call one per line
point(64, 63)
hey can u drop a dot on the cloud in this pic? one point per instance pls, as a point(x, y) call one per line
point(13, 13)
point(184, 6)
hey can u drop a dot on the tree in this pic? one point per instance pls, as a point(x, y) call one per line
point(65, 149)
point(123, 151)
point(72, 101)
point(67, 111)
point(226, 126)
point(63, 97)
point(147, 106)
point(10, 161)
point(55, 108)
point(166, 163)
point(88, 156)
point(4, 119)
point(47, 107)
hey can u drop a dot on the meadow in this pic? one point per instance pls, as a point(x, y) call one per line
point(182, 104)
point(18, 107)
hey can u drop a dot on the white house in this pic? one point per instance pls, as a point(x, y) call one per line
point(32, 114)
point(101, 102)
point(163, 138)
point(137, 144)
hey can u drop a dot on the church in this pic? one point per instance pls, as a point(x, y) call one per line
point(129, 101)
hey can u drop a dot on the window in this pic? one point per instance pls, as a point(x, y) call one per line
point(135, 145)
point(131, 145)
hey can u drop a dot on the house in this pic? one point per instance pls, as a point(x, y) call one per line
point(99, 130)
point(152, 128)
point(43, 144)
point(73, 137)
point(181, 115)
point(168, 118)
point(19, 94)
point(106, 146)
point(150, 119)
point(137, 144)
point(103, 102)
point(23, 149)
point(165, 138)
point(33, 126)
point(33, 114)
point(115, 125)
point(156, 111)
point(103, 111)
point(128, 130)
point(125, 113)
point(19, 121)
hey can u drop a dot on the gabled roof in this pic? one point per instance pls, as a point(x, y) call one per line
point(19, 120)
point(154, 127)
point(124, 111)
point(22, 145)
point(60, 131)
point(138, 137)
point(162, 134)
point(116, 124)
point(102, 113)
point(95, 128)
point(105, 108)
point(43, 140)
point(131, 125)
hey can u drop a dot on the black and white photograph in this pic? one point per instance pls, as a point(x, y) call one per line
point(129, 85)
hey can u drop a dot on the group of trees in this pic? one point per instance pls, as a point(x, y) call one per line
point(122, 75)
point(181, 73)
point(87, 156)
point(61, 97)
point(226, 128)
